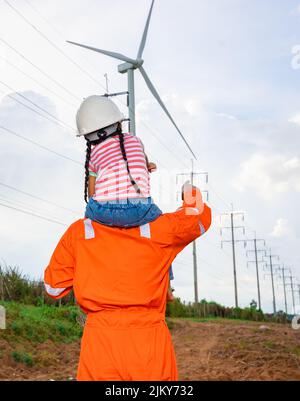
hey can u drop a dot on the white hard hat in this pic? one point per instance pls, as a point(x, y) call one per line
point(95, 113)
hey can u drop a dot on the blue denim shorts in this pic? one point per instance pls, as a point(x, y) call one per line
point(123, 213)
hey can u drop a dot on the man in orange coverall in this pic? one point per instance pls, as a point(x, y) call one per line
point(120, 279)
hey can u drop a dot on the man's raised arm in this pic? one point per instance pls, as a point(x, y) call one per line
point(192, 219)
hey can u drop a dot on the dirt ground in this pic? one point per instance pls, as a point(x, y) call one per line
point(224, 350)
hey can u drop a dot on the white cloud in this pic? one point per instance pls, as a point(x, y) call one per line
point(227, 116)
point(295, 119)
point(281, 228)
point(295, 11)
point(193, 106)
point(269, 175)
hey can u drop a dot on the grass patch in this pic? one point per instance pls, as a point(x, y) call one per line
point(269, 344)
point(242, 345)
point(295, 351)
point(38, 324)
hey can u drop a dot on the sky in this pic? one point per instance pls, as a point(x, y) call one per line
point(229, 73)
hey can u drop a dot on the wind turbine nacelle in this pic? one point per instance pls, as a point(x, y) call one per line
point(123, 68)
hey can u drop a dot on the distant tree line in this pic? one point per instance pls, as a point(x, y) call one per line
point(205, 309)
point(15, 286)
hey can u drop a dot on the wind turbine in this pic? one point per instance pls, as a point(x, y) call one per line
point(128, 67)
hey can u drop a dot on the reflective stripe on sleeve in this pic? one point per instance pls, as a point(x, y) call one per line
point(55, 292)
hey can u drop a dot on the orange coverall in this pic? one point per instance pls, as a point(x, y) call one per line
point(120, 279)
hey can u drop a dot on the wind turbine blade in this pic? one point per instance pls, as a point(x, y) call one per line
point(118, 56)
point(157, 97)
point(144, 37)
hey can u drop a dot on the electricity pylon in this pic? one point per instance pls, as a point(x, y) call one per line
point(257, 261)
point(233, 241)
point(271, 265)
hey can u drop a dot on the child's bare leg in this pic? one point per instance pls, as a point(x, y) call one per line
point(170, 296)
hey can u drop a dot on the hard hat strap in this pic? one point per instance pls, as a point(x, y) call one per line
point(102, 134)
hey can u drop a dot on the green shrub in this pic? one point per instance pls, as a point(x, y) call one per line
point(16, 286)
point(23, 357)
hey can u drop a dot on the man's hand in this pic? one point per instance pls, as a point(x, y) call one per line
point(192, 198)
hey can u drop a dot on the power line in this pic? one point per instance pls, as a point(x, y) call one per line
point(43, 18)
point(215, 207)
point(51, 43)
point(219, 196)
point(217, 246)
point(216, 277)
point(37, 106)
point(30, 108)
point(33, 214)
point(28, 207)
point(213, 266)
point(37, 82)
point(40, 70)
point(38, 198)
point(39, 145)
point(163, 144)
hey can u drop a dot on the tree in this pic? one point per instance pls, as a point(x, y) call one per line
point(253, 304)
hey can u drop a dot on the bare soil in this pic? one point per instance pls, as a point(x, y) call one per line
point(216, 350)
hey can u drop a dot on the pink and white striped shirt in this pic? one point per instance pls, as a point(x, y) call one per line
point(108, 165)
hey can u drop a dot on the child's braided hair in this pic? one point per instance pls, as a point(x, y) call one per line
point(122, 147)
point(89, 144)
point(87, 162)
